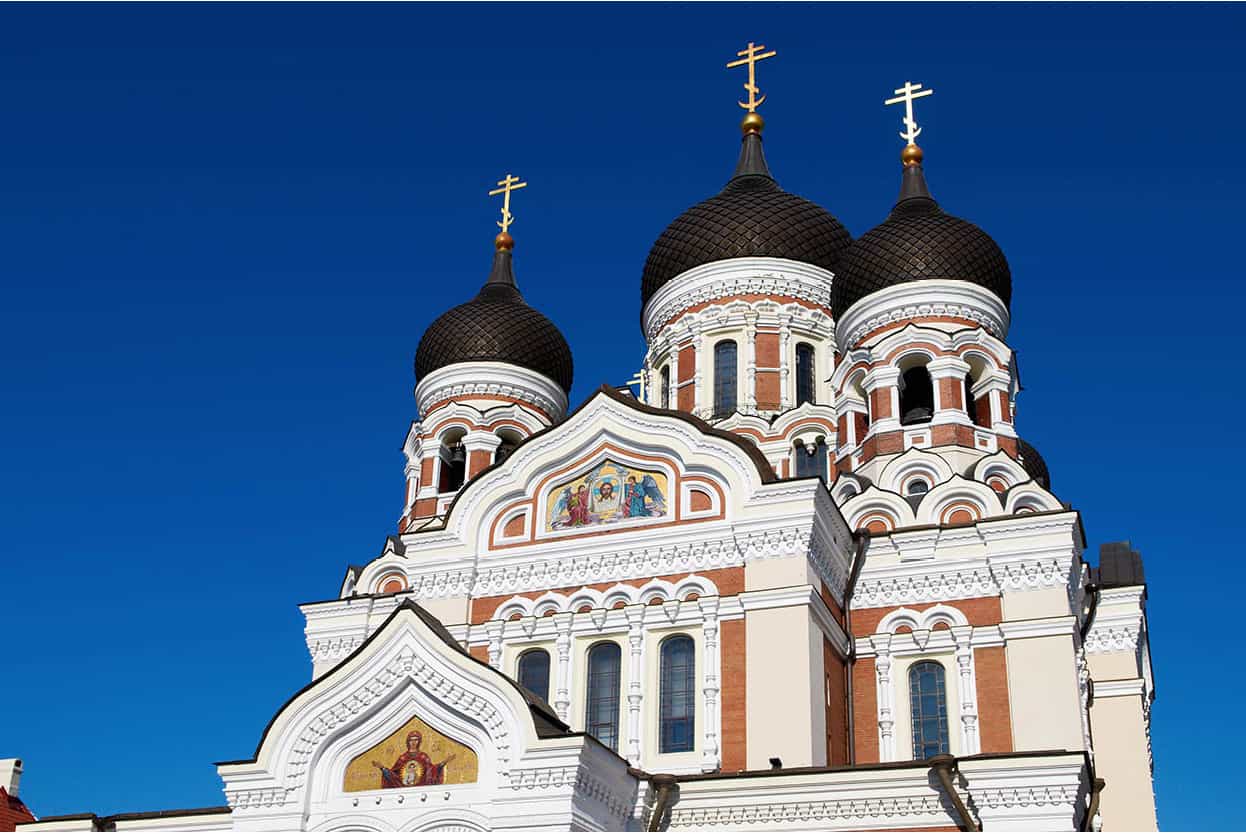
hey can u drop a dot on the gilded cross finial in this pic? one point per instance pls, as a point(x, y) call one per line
point(508, 184)
point(906, 94)
point(749, 57)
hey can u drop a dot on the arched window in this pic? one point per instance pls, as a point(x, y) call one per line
point(918, 486)
point(804, 374)
point(916, 396)
point(534, 672)
point(677, 695)
point(602, 714)
point(724, 378)
point(811, 459)
point(928, 703)
point(510, 440)
point(453, 461)
point(666, 387)
point(971, 405)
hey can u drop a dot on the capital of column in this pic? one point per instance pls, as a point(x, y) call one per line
point(881, 376)
point(942, 367)
point(476, 440)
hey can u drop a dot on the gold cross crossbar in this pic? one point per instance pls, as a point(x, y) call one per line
point(749, 57)
point(508, 184)
point(906, 94)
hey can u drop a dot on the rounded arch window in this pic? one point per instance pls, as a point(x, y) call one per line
point(510, 439)
point(811, 458)
point(928, 708)
point(601, 717)
point(917, 486)
point(665, 382)
point(453, 460)
point(533, 672)
point(916, 394)
point(805, 379)
point(677, 695)
point(725, 378)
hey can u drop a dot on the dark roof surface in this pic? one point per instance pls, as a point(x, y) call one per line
point(751, 217)
point(919, 241)
point(1032, 462)
point(496, 326)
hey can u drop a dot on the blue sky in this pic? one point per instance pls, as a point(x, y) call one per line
point(225, 228)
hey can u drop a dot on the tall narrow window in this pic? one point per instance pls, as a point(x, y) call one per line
point(677, 695)
point(971, 405)
point(534, 672)
point(820, 458)
point(453, 465)
point(602, 716)
point(804, 374)
point(724, 378)
point(811, 459)
point(928, 703)
point(510, 440)
point(916, 396)
point(666, 387)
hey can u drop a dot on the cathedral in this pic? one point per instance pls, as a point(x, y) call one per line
point(804, 573)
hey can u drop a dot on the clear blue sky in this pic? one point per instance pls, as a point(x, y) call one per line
point(225, 228)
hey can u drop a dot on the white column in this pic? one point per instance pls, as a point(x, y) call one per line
point(970, 741)
point(493, 628)
point(703, 401)
point(562, 647)
point(635, 693)
point(710, 758)
point(785, 337)
point(885, 698)
point(750, 363)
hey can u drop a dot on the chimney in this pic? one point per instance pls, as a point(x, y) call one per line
point(10, 775)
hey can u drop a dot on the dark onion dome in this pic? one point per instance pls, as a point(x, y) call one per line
point(1032, 462)
point(919, 241)
point(750, 217)
point(496, 326)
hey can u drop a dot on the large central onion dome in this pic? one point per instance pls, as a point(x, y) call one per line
point(751, 217)
point(919, 241)
point(496, 326)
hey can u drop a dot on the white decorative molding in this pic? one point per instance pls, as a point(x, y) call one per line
point(491, 379)
point(921, 299)
point(736, 277)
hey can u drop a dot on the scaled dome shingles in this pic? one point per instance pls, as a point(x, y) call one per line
point(1032, 462)
point(496, 326)
point(751, 217)
point(919, 242)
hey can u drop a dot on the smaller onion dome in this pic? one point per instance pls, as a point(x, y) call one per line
point(496, 326)
point(919, 241)
point(751, 217)
point(1032, 462)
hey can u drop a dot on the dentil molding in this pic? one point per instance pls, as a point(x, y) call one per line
point(497, 379)
point(922, 299)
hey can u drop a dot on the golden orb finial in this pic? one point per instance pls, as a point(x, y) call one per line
point(911, 155)
point(752, 123)
point(504, 242)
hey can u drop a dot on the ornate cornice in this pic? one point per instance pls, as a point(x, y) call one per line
point(921, 299)
point(736, 277)
point(491, 379)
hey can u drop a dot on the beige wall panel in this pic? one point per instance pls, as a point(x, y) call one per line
point(1113, 666)
point(1121, 760)
point(450, 611)
point(1030, 605)
point(764, 574)
point(780, 714)
point(1042, 688)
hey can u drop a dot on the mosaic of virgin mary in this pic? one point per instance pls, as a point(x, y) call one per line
point(609, 494)
point(413, 756)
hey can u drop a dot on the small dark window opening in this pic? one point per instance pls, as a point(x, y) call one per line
point(677, 695)
point(504, 450)
point(916, 396)
point(534, 672)
point(811, 459)
point(928, 703)
point(804, 374)
point(453, 467)
point(666, 387)
point(971, 405)
point(725, 375)
point(602, 718)
point(918, 487)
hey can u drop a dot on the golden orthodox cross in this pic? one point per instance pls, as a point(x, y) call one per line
point(509, 184)
point(906, 94)
point(749, 57)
